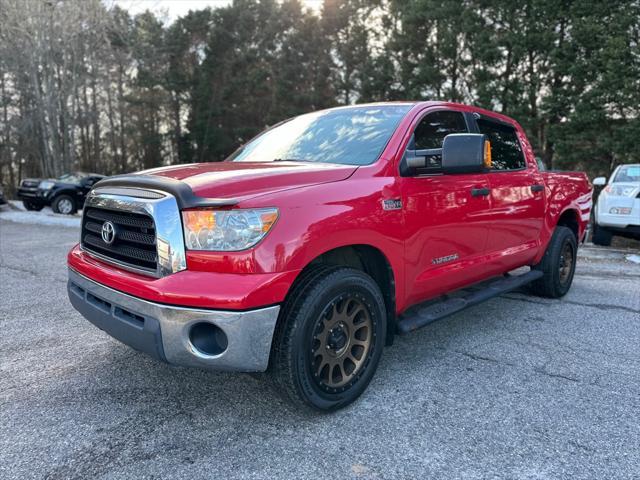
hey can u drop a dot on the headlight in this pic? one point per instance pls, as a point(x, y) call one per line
point(620, 190)
point(226, 230)
point(46, 185)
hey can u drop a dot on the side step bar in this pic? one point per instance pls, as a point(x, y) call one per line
point(420, 316)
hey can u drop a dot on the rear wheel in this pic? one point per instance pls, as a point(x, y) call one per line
point(32, 206)
point(558, 265)
point(329, 338)
point(64, 204)
point(601, 236)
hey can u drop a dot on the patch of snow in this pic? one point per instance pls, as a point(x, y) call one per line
point(17, 205)
point(15, 212)
point(633, 258)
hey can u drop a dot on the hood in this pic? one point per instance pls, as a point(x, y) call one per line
point(243, 180)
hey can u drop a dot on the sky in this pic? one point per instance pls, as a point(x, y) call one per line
point(177, 8)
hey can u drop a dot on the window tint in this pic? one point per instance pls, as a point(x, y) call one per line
point(431, 131)
point(506, 153)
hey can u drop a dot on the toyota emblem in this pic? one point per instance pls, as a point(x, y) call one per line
point(108, 232)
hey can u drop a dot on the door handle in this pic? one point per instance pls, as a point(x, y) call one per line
point(480, 192)
point(537, 187)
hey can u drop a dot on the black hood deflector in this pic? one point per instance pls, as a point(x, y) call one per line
point(180, 190)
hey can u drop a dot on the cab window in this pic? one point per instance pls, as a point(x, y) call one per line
point(506, 153)
point(429, 136)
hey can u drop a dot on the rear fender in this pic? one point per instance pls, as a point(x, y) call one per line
point(558, 208)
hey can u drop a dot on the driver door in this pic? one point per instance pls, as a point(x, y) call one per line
point(447, 217)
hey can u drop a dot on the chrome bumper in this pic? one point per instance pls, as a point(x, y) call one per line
point(166, 332)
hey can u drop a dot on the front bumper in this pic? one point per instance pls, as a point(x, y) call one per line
point(26, 193)
point(34, 195)
point(166, 332)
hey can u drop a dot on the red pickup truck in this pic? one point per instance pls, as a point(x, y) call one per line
point(311, 246)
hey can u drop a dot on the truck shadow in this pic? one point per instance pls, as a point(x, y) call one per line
point(134, 380)
point(139, 409)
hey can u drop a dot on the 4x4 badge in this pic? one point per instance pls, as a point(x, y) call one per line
point(392, 204)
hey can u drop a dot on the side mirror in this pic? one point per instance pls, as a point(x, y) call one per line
point(600, 181)
point(465, 153)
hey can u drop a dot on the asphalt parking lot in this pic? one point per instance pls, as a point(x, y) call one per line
point(519, 387)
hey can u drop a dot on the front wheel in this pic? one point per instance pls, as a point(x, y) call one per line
point(329, 338)
point(558, 265)
point(64, 204)
point(32, 206)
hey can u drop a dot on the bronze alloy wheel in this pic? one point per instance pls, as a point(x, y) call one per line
point(329, 338)
point(342, 339)
point(566, 263)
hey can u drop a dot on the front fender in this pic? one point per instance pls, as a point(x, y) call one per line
point(314, 220)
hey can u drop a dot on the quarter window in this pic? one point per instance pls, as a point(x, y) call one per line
point(506, 153)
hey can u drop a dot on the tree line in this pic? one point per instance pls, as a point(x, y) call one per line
point(86, 87)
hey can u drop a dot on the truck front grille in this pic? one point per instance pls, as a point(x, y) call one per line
point(134, 237)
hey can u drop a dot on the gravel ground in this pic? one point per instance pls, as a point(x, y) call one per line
point(519, 387)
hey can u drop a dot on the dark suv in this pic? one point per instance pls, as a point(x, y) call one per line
point(65, 194)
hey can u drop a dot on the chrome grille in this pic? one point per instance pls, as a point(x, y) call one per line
point(148, 231)
point(135, 237)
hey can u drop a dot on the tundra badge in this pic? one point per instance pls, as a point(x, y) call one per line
point(448, 258)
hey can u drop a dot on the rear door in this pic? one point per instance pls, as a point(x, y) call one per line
point(446, 216)
point(517, 196)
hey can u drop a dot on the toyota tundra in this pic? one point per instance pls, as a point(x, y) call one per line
point(306, 251)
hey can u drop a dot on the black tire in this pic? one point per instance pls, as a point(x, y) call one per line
point(296, 360)
point(557, 273)
point(32, 206)
point(601, 236)
point(64, 204)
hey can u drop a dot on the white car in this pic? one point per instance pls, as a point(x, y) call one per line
point(618, 209)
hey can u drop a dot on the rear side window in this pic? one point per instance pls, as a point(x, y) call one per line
point(506, 153)
point(431, 131)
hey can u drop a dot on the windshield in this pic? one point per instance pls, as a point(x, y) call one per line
point(628, 173)
point(350, 136)
point(71, 177)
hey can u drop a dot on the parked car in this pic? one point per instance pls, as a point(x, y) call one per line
point(617, 210)
point(66, 194)
point(315, 243)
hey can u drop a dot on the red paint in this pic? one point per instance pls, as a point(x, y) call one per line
point(323, 207)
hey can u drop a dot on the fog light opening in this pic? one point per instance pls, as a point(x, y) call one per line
point(208, 339)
